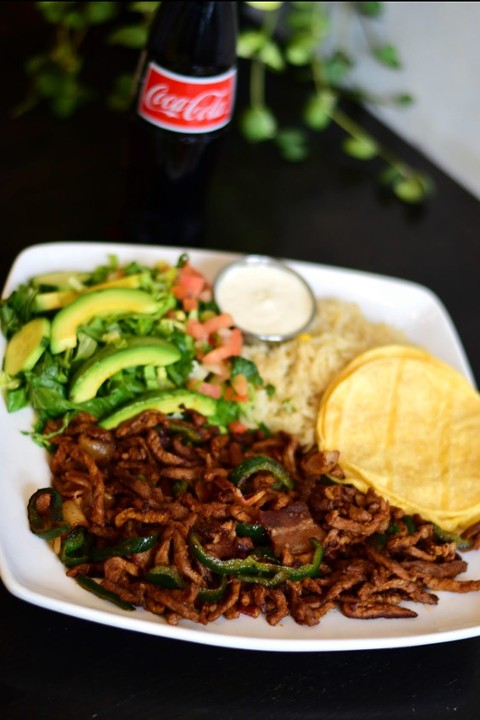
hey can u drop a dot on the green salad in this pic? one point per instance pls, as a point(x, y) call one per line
point(120, 339)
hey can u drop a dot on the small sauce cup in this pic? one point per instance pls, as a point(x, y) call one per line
point(266, 298)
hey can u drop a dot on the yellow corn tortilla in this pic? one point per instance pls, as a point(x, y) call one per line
point(407, 425)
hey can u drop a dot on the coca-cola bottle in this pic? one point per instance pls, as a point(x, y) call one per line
point(184, 103)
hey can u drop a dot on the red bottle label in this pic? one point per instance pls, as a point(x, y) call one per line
point(187, 104)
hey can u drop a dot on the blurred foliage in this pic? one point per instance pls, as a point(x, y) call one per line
point(314, 41)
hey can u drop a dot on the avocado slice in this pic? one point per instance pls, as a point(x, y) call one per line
point(56, 299)
point(169, 402)
point(127, 281)
point(111, 359)
point(62, 280)
point(113, 301)
point(27, 346)
point(46, 301)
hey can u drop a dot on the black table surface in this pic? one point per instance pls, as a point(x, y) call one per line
point(63, 182)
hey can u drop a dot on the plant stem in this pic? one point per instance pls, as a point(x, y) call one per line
point(356, 131)
point(257, 83)
point(257, 70)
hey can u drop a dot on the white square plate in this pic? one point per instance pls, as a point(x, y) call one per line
point(32, 572)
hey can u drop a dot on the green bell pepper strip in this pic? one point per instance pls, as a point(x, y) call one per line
point(166, 576)
point(228, 567)
point(179, 487)
point(445, 536)
point(270, 582)
point(88, 583)
point(189, 433)
point(75, 547)
point(130, 546)
point(47, 525)
point(250, 569)
point(240, 474)
point(409, 523)
point(213, 594)
point(255, 531)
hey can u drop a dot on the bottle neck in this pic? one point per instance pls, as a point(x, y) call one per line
point(194, 38)
point(188, 80)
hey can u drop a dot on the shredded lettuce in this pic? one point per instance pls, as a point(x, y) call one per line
point(45, 388)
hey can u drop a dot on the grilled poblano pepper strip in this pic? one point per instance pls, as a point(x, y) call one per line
point(254, 531)
point(166, 576)
point(47, 524)
point(252, 570)
point(189, 433)
point(75, 547)
point(213, 594)
point(129, 546)
point(445, 536)
point(88, 583)
point(261, 463)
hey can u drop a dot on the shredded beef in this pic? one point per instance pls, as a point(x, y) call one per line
point(168, 478)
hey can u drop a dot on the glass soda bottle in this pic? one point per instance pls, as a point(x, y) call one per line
point(184, 103)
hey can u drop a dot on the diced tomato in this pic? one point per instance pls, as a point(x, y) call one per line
point(189, 284)
point(190, 304)
point(220, 370)
point(213, 390)
point(193, 283)
point(240, 384)
point(216, 356)
point(231, 395)
point(195, 329)
point(237, 427)
point(204, 331)
point(179, 292)
point(218, 322)
point(231, 345)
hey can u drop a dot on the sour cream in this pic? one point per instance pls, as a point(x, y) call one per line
point(265, 297)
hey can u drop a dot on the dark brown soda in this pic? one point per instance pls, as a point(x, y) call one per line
point(169, 172)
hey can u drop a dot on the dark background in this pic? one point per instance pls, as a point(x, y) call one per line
point(62, 180)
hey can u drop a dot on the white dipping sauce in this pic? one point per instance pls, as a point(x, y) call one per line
point(265, 298)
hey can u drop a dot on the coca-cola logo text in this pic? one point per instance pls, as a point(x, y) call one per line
point(209, 105)
point(186, 104)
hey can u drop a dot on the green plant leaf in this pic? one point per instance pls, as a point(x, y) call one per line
point(100, 12)
point(389, 175)
point(72, 98)
point(317, 111)
point(336, 67)
point(53, 12)
point(49, 82)
point(265, 6)
point(362, 148)
point(75, 20)
point(413, 189)
point(130, 36)
point(370, 9)
point(258, 124)
point(145, 8)
point(300, 49)
point(249, 43)
point(315, 24)
point(271, 56)
point(403, 99)
point(387, 55)
point(292, 144)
